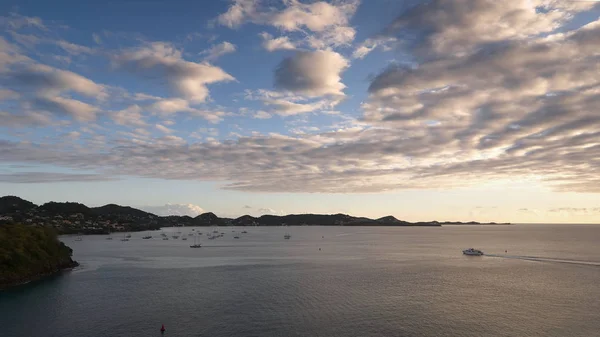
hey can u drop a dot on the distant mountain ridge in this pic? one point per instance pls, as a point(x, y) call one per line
point(73, 217)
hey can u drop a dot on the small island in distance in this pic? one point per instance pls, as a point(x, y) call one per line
point(76, 218)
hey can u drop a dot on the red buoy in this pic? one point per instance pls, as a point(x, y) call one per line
point(162, 329)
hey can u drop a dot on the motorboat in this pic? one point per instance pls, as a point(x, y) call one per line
point(473, 252)
point(287, 236)
point(147, 237)
point(244, 232)
point(236, 237)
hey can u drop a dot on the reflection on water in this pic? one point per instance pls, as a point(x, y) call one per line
point(324, 281)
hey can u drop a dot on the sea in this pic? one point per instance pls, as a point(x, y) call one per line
point(535, 280)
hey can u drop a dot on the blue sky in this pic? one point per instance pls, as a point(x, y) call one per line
point(457, 110)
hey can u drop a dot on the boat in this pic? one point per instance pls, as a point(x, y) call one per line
point(472, 252)
point(287, 236)
point(79, 238)
point(183, 238)
point(109, 238)
point(125, 237)
point(196, 244)
point(163, 235)
point(190, 234)
point(165, 238)
point(236, 237)
point(128, 236)
point(146, 237)
point(244, 232)
point(175, 236)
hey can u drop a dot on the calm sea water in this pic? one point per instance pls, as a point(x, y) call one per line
point(363, 282)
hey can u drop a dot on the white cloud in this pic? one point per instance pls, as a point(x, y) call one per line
point(369, 45)
point(280, 43)
point(74, 49)
point(188, 79)
point(163, 129)
point(317, 16)
point(175, 209)
point(237, 13)
point(132, 115)
point(17, 21)
point(218, 50)
point(312, 73)
point(328, 23)
point(262, 115)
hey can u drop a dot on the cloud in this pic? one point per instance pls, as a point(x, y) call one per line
point(370, 44)
point(267, 211)
point(47, 177)
point(131, 116)
point(7, 94)
point(48, 81)
point(312, 73)
point(17, 21)
point(487, 108)
point(74, 49)
point(10, 54)
point(328, 23)
point(262, 115)
point(284, 107)
point(175, 209)
point(163, 129)
point(317, 16)
point(187, 79)
point(97, 38)
point(79, 110)
point(24, 119)
point(238, 12)
point(218, 50)
point(280, 43)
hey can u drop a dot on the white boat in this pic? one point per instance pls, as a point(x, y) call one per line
point(79, 238)
point(128, 236)
point(472, 252)
point(147, 237)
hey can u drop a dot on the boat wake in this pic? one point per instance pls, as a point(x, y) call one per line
point(546, 259)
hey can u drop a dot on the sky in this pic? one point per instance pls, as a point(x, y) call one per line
point(452, 110)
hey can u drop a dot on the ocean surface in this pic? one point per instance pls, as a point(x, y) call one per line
point(324, 281)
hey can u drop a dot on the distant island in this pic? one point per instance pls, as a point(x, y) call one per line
point(28, 253)
point(76, 218)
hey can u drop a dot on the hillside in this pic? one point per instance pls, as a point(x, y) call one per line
point(72, 217)
point(28, 253)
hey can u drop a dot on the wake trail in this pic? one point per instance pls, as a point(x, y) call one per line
point(546, 259)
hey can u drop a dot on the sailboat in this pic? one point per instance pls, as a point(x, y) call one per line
point(79, 238)
point(196, 244)
point(146, 237)
point(126, 237)
point(287, 236)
